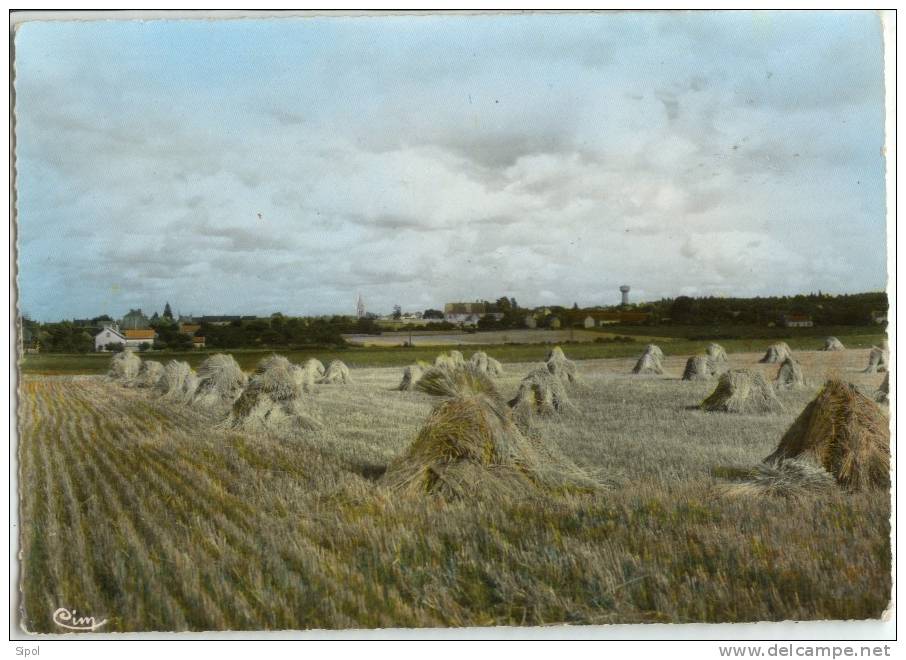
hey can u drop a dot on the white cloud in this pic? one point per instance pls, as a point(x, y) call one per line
point(716, 154)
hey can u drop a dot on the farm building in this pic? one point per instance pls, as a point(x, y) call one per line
point(107, 336)
point(135, 338)
point(597, 318)
point(470, 312)
point(190, 329)
point(135, 320)
point(606, 318)
point(797, 321)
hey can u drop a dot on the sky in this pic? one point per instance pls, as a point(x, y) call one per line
point(255, 166)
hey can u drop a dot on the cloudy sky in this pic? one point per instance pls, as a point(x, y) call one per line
point(420, 160)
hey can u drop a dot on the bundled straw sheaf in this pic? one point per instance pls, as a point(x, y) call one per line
point(698, 367)
point(844, 431)
point(148, 375)
point(878, 359)
point(273, 400)
point(466, 379)
point(833, 344)
point(470, 447)
point(777, 353)
point(560, 366)
point(792, 480)
point(790, 376)
point(124, 366)
point(717, 354)
point(443, 361)
point(481, 361)
point(305, 376)
point(177, 383)
point(411, 375)
point(540, 394)
point(742, 391)
point(650, 361)
point(336, 372)
point(451, 360)
point(308, 374)
point(220, 382)
point(314, 367)
point(882, 395)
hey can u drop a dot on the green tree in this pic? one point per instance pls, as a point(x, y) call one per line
point(681, 311)
point(366, 326)
point(503, 304)
point(168, 313)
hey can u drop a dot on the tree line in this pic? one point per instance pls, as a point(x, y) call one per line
point(278, 330)
point(822, 308)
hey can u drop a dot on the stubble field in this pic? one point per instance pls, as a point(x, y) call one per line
point(150, 516)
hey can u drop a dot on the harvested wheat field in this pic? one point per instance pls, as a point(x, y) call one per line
point(178, 522)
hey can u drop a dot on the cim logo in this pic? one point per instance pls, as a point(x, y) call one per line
point(66, 618)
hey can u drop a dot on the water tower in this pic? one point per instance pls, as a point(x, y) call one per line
point(625, 291)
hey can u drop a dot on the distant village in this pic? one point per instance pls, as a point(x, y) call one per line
point(138, 331)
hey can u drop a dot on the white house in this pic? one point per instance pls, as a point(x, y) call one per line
point(109, 335)
point(797, 321)
point(462, 312)
point(469, 313)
